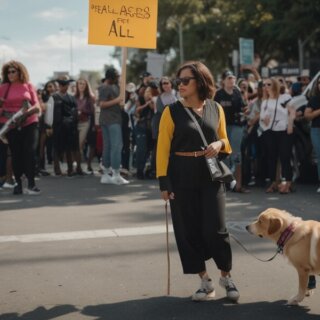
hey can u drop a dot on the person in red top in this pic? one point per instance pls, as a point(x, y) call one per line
point(23, 137)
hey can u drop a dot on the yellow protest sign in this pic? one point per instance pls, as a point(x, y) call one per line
point(124, 23)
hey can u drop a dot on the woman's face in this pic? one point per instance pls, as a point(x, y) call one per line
point(267, 85)
point(82, 85)
point(51, 88)
point(243, 86)
point(188, 85)
point(166, 85)
point(13, 74)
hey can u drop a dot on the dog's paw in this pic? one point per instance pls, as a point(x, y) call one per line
point(294, 301)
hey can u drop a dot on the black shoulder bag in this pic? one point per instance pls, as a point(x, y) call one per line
point(219, 171)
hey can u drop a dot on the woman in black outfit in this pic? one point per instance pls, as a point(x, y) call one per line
point(65, 127)
point(197, 203)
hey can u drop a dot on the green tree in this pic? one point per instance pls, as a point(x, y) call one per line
point(211, 29)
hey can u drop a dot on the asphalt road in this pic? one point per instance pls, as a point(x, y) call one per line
point(83, 250)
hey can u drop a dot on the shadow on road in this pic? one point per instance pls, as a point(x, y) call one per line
point(41, 313)
point(172, 308)
point(78, 191)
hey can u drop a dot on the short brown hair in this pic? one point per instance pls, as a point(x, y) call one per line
point(204, 78)
point(22, 70)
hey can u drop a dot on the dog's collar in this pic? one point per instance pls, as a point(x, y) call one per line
point(284, 237)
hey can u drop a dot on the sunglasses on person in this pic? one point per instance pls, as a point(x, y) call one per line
point(12, 71)
point(185, 81)
point(267, 84)
point(165, 83)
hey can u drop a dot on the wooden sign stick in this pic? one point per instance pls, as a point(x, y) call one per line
point(123, 74)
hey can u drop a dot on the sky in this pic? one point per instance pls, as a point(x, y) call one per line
point(38, 33)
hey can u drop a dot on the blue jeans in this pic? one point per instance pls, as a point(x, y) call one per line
point(142, 149)
point(112, 145)
point(235, 134)
point(315, 138)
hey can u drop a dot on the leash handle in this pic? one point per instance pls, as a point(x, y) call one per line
point(246, 250)
point(168, 252)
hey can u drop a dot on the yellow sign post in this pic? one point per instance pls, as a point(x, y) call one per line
point(123, 23)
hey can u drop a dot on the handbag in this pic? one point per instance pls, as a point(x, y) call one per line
point(219, 171)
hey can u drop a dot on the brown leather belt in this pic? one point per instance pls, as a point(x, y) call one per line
point(190, 154)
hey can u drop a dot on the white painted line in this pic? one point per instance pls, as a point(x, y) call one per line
point(103, 233)
point(82, 235)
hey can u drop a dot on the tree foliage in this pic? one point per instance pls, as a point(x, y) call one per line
point(212, 28)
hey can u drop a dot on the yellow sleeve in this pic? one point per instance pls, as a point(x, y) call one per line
point(222, 131)
point(166, 129)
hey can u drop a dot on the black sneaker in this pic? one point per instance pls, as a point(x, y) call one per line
point(71, 174)
point(17, 189)
point(32, 191)
point(44, 173)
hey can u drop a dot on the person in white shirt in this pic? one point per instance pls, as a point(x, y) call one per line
point(276, 120)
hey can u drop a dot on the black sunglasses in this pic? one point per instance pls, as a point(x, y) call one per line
point(267, 84)
point(12, 71)
point(165, 83)
point(185, 81)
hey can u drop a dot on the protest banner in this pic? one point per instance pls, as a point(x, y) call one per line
point(124, 23)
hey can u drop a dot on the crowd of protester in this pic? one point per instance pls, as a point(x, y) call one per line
point(273, 144)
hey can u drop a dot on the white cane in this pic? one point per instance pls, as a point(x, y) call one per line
point(168, 253)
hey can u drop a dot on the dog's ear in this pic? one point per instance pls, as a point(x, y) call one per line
point(274, 225)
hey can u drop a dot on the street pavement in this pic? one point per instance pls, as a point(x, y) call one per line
point(83, 250)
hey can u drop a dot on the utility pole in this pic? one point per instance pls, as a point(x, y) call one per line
point(71, 31)
point(301, 45)
point(178, 23)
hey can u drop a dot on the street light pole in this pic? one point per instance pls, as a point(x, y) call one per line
point(180, 41)
point(71, 32)
point(178, 23)
point(71, 52)
point(301, 44)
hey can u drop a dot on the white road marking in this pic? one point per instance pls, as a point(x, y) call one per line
point(88, 234)
point(103, 233)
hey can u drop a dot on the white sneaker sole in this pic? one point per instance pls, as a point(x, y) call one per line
point(31, 193)
point(207, 297)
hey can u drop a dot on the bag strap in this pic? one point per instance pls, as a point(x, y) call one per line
point(275, 113)
point(197, 125)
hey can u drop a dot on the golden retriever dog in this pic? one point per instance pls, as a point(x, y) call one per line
point(298, 239)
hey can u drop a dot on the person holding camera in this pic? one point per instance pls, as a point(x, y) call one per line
point(16, 91)
point(197, 203)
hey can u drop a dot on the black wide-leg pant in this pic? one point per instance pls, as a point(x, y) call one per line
point(278, 145)
point(23, 145)
point(198, 216)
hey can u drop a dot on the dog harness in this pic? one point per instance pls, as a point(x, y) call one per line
point(284, 237)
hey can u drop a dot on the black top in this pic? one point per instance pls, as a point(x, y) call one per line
point(191, 172)
point(186, 137)
point(314, 104)
point(232, 105)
